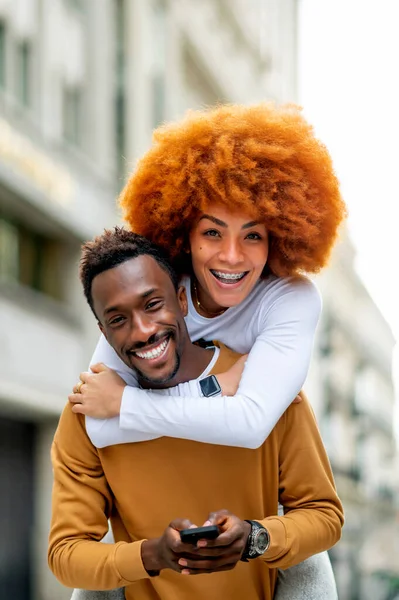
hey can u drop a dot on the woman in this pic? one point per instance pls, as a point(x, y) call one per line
point(246, 201)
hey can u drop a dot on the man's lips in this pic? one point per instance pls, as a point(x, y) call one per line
point(154, 350)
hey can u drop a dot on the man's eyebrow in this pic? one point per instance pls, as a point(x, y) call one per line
point(223, 224)
point(110, 309)
point(143, 295)
point(148, 292)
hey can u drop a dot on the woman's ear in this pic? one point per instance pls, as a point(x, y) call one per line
point(182, 298)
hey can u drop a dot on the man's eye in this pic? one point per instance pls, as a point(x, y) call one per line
point(212, 233)
point(154, 304)
point(116, 320)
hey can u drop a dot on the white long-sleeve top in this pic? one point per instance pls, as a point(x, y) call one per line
point(276, 324)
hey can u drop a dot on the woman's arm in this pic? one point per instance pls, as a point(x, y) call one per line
point(274, 373)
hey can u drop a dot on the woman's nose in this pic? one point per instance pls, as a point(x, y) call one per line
point(231, 252)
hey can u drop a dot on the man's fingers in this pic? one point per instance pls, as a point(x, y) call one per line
point(180, 524)
point(215, 551)
point(173, 536)
point(218, 517)
point(209, 566)
point(226, 538)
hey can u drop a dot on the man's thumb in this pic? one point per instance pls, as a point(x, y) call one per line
point(98, 368)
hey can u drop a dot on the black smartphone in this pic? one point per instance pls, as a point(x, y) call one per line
point(191, 536)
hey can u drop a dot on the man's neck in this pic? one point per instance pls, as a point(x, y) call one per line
point(194, 361)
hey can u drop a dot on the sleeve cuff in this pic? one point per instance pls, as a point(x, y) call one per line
point(126, 403)
point(278, 538)
point(129, 563)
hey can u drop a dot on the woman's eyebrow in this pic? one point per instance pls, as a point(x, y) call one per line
point(223, 224)
point(214, 220)
point(251, 224)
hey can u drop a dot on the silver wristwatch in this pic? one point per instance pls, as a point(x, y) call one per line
point(258, 541)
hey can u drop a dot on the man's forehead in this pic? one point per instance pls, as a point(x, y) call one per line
point(134, 276)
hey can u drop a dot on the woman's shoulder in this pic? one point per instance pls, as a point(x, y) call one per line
point(288, 291)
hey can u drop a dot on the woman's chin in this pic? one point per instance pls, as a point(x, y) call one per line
point(227, 296)
point(228, 299)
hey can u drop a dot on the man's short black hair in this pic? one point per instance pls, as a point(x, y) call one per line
point(114, 247)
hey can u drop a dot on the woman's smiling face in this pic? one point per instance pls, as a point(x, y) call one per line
point(229, 252)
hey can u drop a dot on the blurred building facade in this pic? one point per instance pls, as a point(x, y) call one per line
point(57, 184)
point(82, 85)
point(351, 389)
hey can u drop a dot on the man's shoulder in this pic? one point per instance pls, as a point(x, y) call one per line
point(71, 429)
point(226, 359)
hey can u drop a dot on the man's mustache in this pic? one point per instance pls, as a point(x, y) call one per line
point(153, 339)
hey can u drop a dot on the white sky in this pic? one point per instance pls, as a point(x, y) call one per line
point(349, 88)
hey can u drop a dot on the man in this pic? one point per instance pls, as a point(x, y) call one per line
point(134, 294)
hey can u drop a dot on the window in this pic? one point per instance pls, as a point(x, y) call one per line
point(9, 251)
point(120, 95)
point(76, 4)
point(29, 258)
point(158, 62)
point(24, 59)
point(2, 54)
point(72, 123)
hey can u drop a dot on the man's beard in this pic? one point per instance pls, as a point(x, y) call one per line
point(161, 380)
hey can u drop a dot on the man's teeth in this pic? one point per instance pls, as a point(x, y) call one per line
point(155, 352)
point(229, 276)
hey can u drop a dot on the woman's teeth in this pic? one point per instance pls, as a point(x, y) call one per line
point(228, 277)
point(155, 352)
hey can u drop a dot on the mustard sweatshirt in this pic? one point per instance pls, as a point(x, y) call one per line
point(141, 487)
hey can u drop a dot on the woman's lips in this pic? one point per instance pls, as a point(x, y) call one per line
point(229, 279)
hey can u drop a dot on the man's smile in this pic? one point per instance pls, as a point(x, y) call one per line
point(154, 351)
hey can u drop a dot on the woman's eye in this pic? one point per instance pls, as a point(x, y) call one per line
point(254, 236)
point(212, 233)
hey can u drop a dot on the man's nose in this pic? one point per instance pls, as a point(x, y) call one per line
point(231, 252)
point(143, 327)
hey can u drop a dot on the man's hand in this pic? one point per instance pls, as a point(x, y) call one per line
point(100, 394)
point(223, 553)
point(230, 380)
point(164, 552)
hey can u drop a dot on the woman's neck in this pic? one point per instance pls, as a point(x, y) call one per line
point(203, 303)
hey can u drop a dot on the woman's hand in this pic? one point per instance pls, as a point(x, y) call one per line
point(230, 380)
point(100, 394)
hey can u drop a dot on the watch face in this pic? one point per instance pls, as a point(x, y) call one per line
point(261, 541)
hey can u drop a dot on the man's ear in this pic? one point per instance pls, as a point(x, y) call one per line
point(182, 298)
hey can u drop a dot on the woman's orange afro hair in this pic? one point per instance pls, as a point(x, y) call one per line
point(263, 160)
